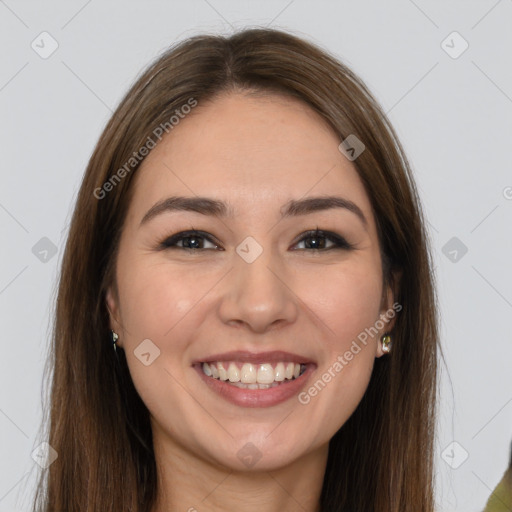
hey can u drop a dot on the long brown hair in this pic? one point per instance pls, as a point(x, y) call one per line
point(382, 457)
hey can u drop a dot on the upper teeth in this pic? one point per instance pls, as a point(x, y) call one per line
point(248, 373)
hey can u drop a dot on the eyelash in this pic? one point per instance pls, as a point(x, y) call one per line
point(339, 242)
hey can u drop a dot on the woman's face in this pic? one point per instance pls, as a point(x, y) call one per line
point(253, 294)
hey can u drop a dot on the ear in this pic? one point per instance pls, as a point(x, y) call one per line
point(112, 303)
point(389, 309)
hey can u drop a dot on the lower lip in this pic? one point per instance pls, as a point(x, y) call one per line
point(257, 397)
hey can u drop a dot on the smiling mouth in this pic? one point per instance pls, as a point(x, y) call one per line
point(253, 376)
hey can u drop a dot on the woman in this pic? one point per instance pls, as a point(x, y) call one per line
point(246, 316)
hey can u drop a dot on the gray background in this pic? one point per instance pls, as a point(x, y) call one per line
point(453, 116)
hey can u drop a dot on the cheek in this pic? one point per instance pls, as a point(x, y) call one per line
point(156, 305)
point(347, 301)
point(156, 298)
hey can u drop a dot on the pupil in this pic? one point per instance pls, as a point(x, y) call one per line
point(314, 243)
point(195, 244)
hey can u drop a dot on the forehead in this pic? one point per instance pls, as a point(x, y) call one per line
point(254, 152)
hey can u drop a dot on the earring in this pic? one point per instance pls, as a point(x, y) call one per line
point(386, 343)
point(115, 337)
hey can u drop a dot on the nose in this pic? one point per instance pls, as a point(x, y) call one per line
point(258, 295)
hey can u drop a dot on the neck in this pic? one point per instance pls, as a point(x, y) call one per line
point(189, 483)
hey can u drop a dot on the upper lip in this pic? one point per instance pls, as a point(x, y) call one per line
point(255, 357)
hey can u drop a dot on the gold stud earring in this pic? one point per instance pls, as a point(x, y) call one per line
point(386, 343)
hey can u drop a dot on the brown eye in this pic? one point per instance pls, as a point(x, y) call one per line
point(190, 240)
point(318, 240)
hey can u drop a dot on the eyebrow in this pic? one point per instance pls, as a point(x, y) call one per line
point(216, 208)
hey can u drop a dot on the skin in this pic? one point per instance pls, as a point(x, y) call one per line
point(255, 153)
